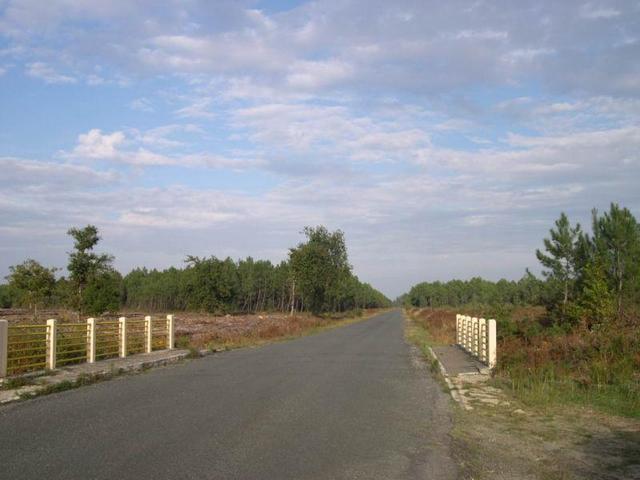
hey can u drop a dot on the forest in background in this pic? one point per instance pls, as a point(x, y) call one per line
point(571, 335)
point(588, 278)
point(316, 277)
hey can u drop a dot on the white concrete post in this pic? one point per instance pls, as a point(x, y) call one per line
point(458, 328)
point(491, 343)
point(474, 336)
point(464, 332)
point(170, 332)
point(4, 347)
point(149, 332)
point(122, 324)
point(91, 340)
point(469, 335)
point(482, 329)
point(51, 343)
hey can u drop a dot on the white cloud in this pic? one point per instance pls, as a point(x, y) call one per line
point(198, 108)
point(45, 72)
point(96, 145)
point(327, 130)
point(139, 150)
point(142, 105)
point(595, 12)
point(18, 172)
point(95, 80)
point(481, 35)
point(317, 74)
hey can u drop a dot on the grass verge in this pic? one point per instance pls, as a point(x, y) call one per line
point(530, 433)
point(416, 334)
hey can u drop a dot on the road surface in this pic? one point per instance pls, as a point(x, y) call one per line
point(348, 403)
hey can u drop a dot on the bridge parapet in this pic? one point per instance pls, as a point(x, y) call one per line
point(32, 347)
point(478, 337)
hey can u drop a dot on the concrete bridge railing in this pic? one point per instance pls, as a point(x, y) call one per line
point(32, 347)
point(478, 337)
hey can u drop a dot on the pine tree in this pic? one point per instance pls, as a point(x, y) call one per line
point(616, 241)
point(561, 259)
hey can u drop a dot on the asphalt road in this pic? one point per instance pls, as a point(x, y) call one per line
point(348, 403)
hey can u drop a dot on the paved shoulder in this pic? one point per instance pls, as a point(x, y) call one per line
point(346, 403)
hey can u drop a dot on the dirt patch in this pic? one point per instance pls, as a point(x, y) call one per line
point(500, 438)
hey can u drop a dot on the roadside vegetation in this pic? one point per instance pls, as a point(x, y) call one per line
point(316, 278)
point(516, 434)
point(242, 303)
point(569, 337)
point(209, 332)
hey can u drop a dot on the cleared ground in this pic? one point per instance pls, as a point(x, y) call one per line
point(344, 404)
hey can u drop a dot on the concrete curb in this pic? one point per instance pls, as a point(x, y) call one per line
point(107, 368)
point(453, 390)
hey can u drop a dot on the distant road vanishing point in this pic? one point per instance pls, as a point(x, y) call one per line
point(348, 403)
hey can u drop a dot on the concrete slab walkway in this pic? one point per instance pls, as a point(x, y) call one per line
point(115, 366)
point(456, 361)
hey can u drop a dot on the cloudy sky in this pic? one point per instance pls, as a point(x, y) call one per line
point(444, 138)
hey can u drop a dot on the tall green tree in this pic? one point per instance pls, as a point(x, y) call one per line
point(596, 299)
point(318, 266)
point(616, 242)
point(560, 259)
point(32, 284)
point(87, 267)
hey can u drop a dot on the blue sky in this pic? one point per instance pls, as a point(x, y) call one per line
point(444, 138)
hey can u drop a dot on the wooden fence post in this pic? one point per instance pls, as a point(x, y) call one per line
point(4, 346)
point(51, 343)
point(170, 332)
point(122, 323)
point(149, 330)
point(91, 340)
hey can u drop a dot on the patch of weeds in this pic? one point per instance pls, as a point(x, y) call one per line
point(193, 352)
point(17, 382)
point(417, 334)
point(53, 388)
point(183, 342)
point(435, 367)
point(82, 380)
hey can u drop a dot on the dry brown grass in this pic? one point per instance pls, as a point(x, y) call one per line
point(210, 331)
point(202, 330)
point(440, 323)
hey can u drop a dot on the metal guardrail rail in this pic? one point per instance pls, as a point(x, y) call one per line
point(32, 347)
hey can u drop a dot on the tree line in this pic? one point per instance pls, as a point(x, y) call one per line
point(316, 277)
point(455, 293)
point(588, 277)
